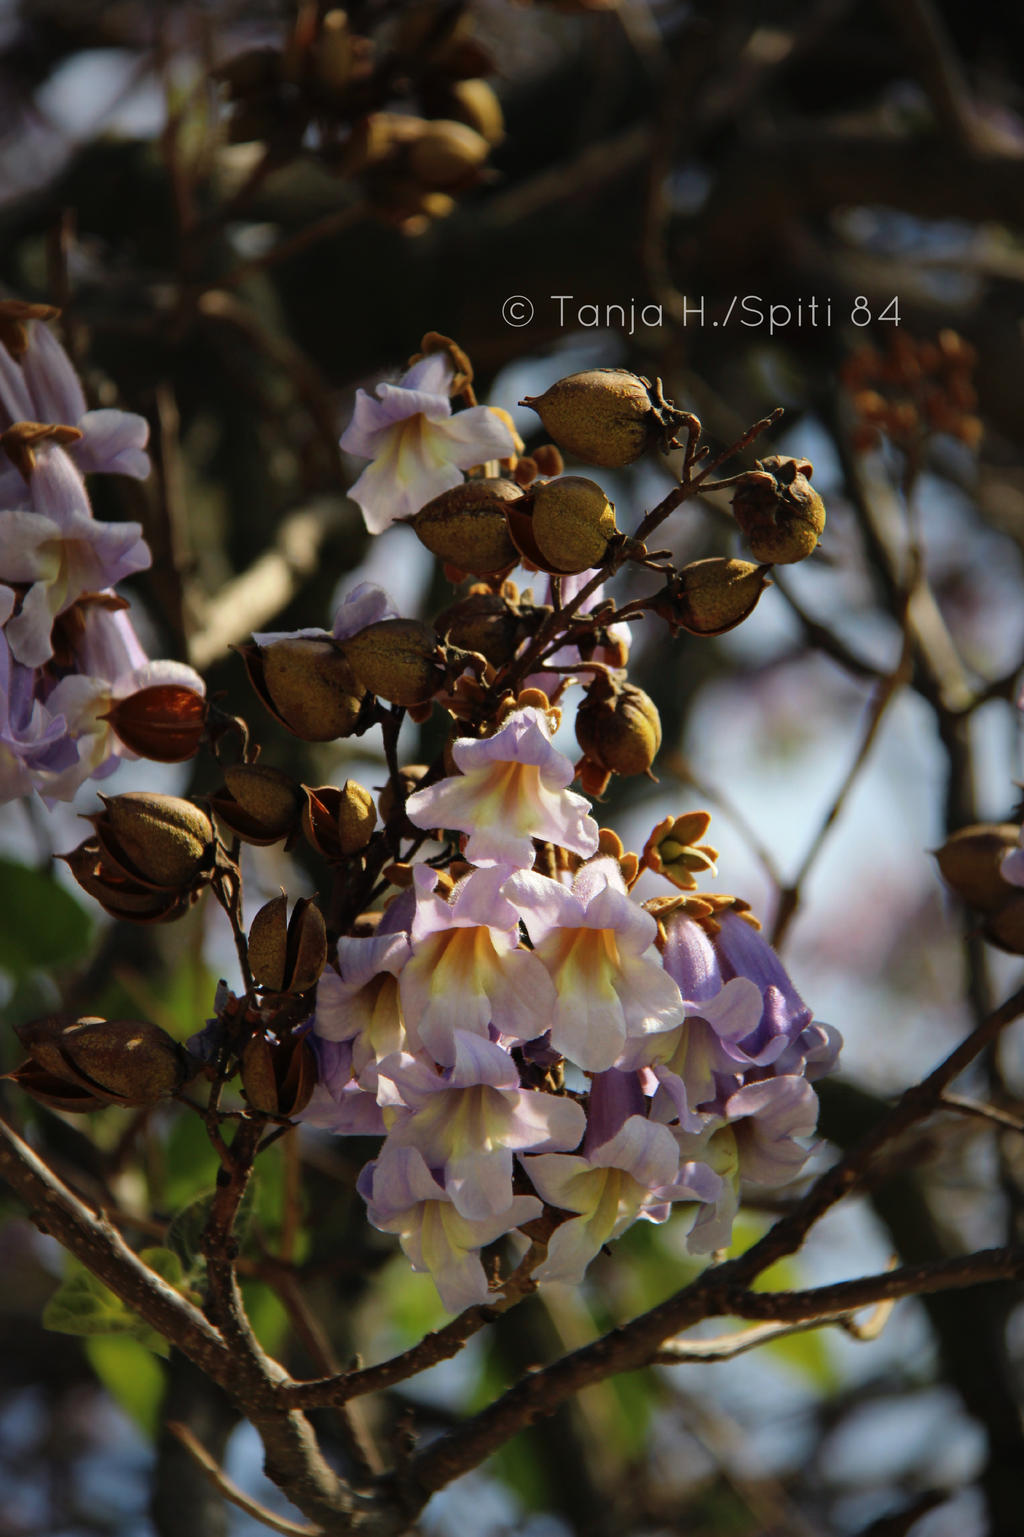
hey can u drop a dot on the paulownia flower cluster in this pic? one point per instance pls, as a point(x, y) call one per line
point(539, 1051)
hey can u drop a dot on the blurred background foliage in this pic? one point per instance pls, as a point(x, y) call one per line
point(236, 247)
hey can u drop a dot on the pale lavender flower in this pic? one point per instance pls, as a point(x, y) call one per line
point(512, 789)
point(469, 1120)
point(599, 946)
point(417, 447)
point(339, 1103)
point(360, 1003)
point(467, 968)
point(404, 1197)
point(754, 1139)
point(35, 747)
point(61, 552)
point(45, 388)
point(636, 1173)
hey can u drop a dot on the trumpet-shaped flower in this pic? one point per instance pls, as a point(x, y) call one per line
point(360, 1002)
point(404, 1197)
point(754, 1139)
point(598, 945)
point(417, 447)
point(469, 1120)
point(467, 969)
point(45, 388)
point(512, 789)
point(636, 1173)
point(60, 552)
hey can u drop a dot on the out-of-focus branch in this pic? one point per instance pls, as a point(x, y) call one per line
point(252, 599)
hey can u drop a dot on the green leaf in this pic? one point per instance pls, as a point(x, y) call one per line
point(131, 1375)
point(185, 1233)
point(267, 1314)
point(41, 924)
point(191, 1162)
point(83, 1305)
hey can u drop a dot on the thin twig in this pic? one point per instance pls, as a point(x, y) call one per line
point(223, 1484)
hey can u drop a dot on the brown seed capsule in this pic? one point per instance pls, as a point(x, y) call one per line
point(474, 102)
point(410, 775)
point(278, 1076)
point(287, 957)
point(119, 896)
point(604, 416)
point(484, 622)
point(969, 862)
point(398, 660)
point(357, 817)
point(1005, 926)
point(307, 684)
point(618, 727)
point(573, 521)
point(446, 153)
point(122, 1061)
point(261, 805)
point(158, 840)
point(468, 528)
point(164, 723)
point(708, 597)
point(779, 512)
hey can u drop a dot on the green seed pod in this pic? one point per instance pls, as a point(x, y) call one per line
point(779, 512)
point(604, 416)
point(467, 526)
point(573, 521)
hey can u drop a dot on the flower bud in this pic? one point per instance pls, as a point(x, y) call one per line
point(164, 723)
point(307, 684)
point(278, 1076)
point(779, 512)
point(708, 597)
point(446, 153)
point(467, 527)
point(1005, 926)
point(573, 521)
point(259, 804)
point(618, 727)
point(159, 841)
point(117, 1061)
point(604, 416)
point(969, 862)
point(674, 850)
point(398, 660)
point(287, 957)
